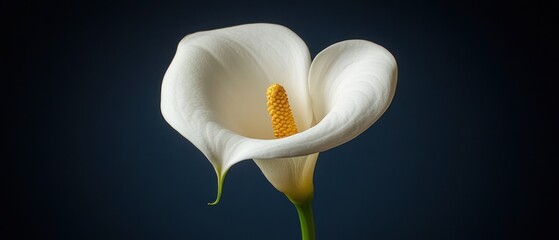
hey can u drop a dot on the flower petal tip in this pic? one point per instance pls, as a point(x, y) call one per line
point(220, 180)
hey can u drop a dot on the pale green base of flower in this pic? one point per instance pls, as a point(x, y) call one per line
point(306, 218)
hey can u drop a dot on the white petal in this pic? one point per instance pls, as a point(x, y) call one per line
point(214, 90)
point(291, 176)
point(353, 80)
point(351, 84)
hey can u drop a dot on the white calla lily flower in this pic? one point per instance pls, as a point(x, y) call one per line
point(214, 94)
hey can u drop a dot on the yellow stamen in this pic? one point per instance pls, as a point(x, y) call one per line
point(280, 111)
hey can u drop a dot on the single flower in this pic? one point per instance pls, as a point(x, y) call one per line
point(214, 94)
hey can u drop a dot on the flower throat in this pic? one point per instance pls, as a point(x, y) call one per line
point(280, 111)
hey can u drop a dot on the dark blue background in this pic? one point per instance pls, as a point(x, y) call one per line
point(466, 150)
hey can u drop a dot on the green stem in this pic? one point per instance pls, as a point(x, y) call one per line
point(306, 218)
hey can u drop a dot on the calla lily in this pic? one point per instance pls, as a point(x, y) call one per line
point(213, 94)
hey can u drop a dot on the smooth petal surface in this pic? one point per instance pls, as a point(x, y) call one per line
point(354, 82)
